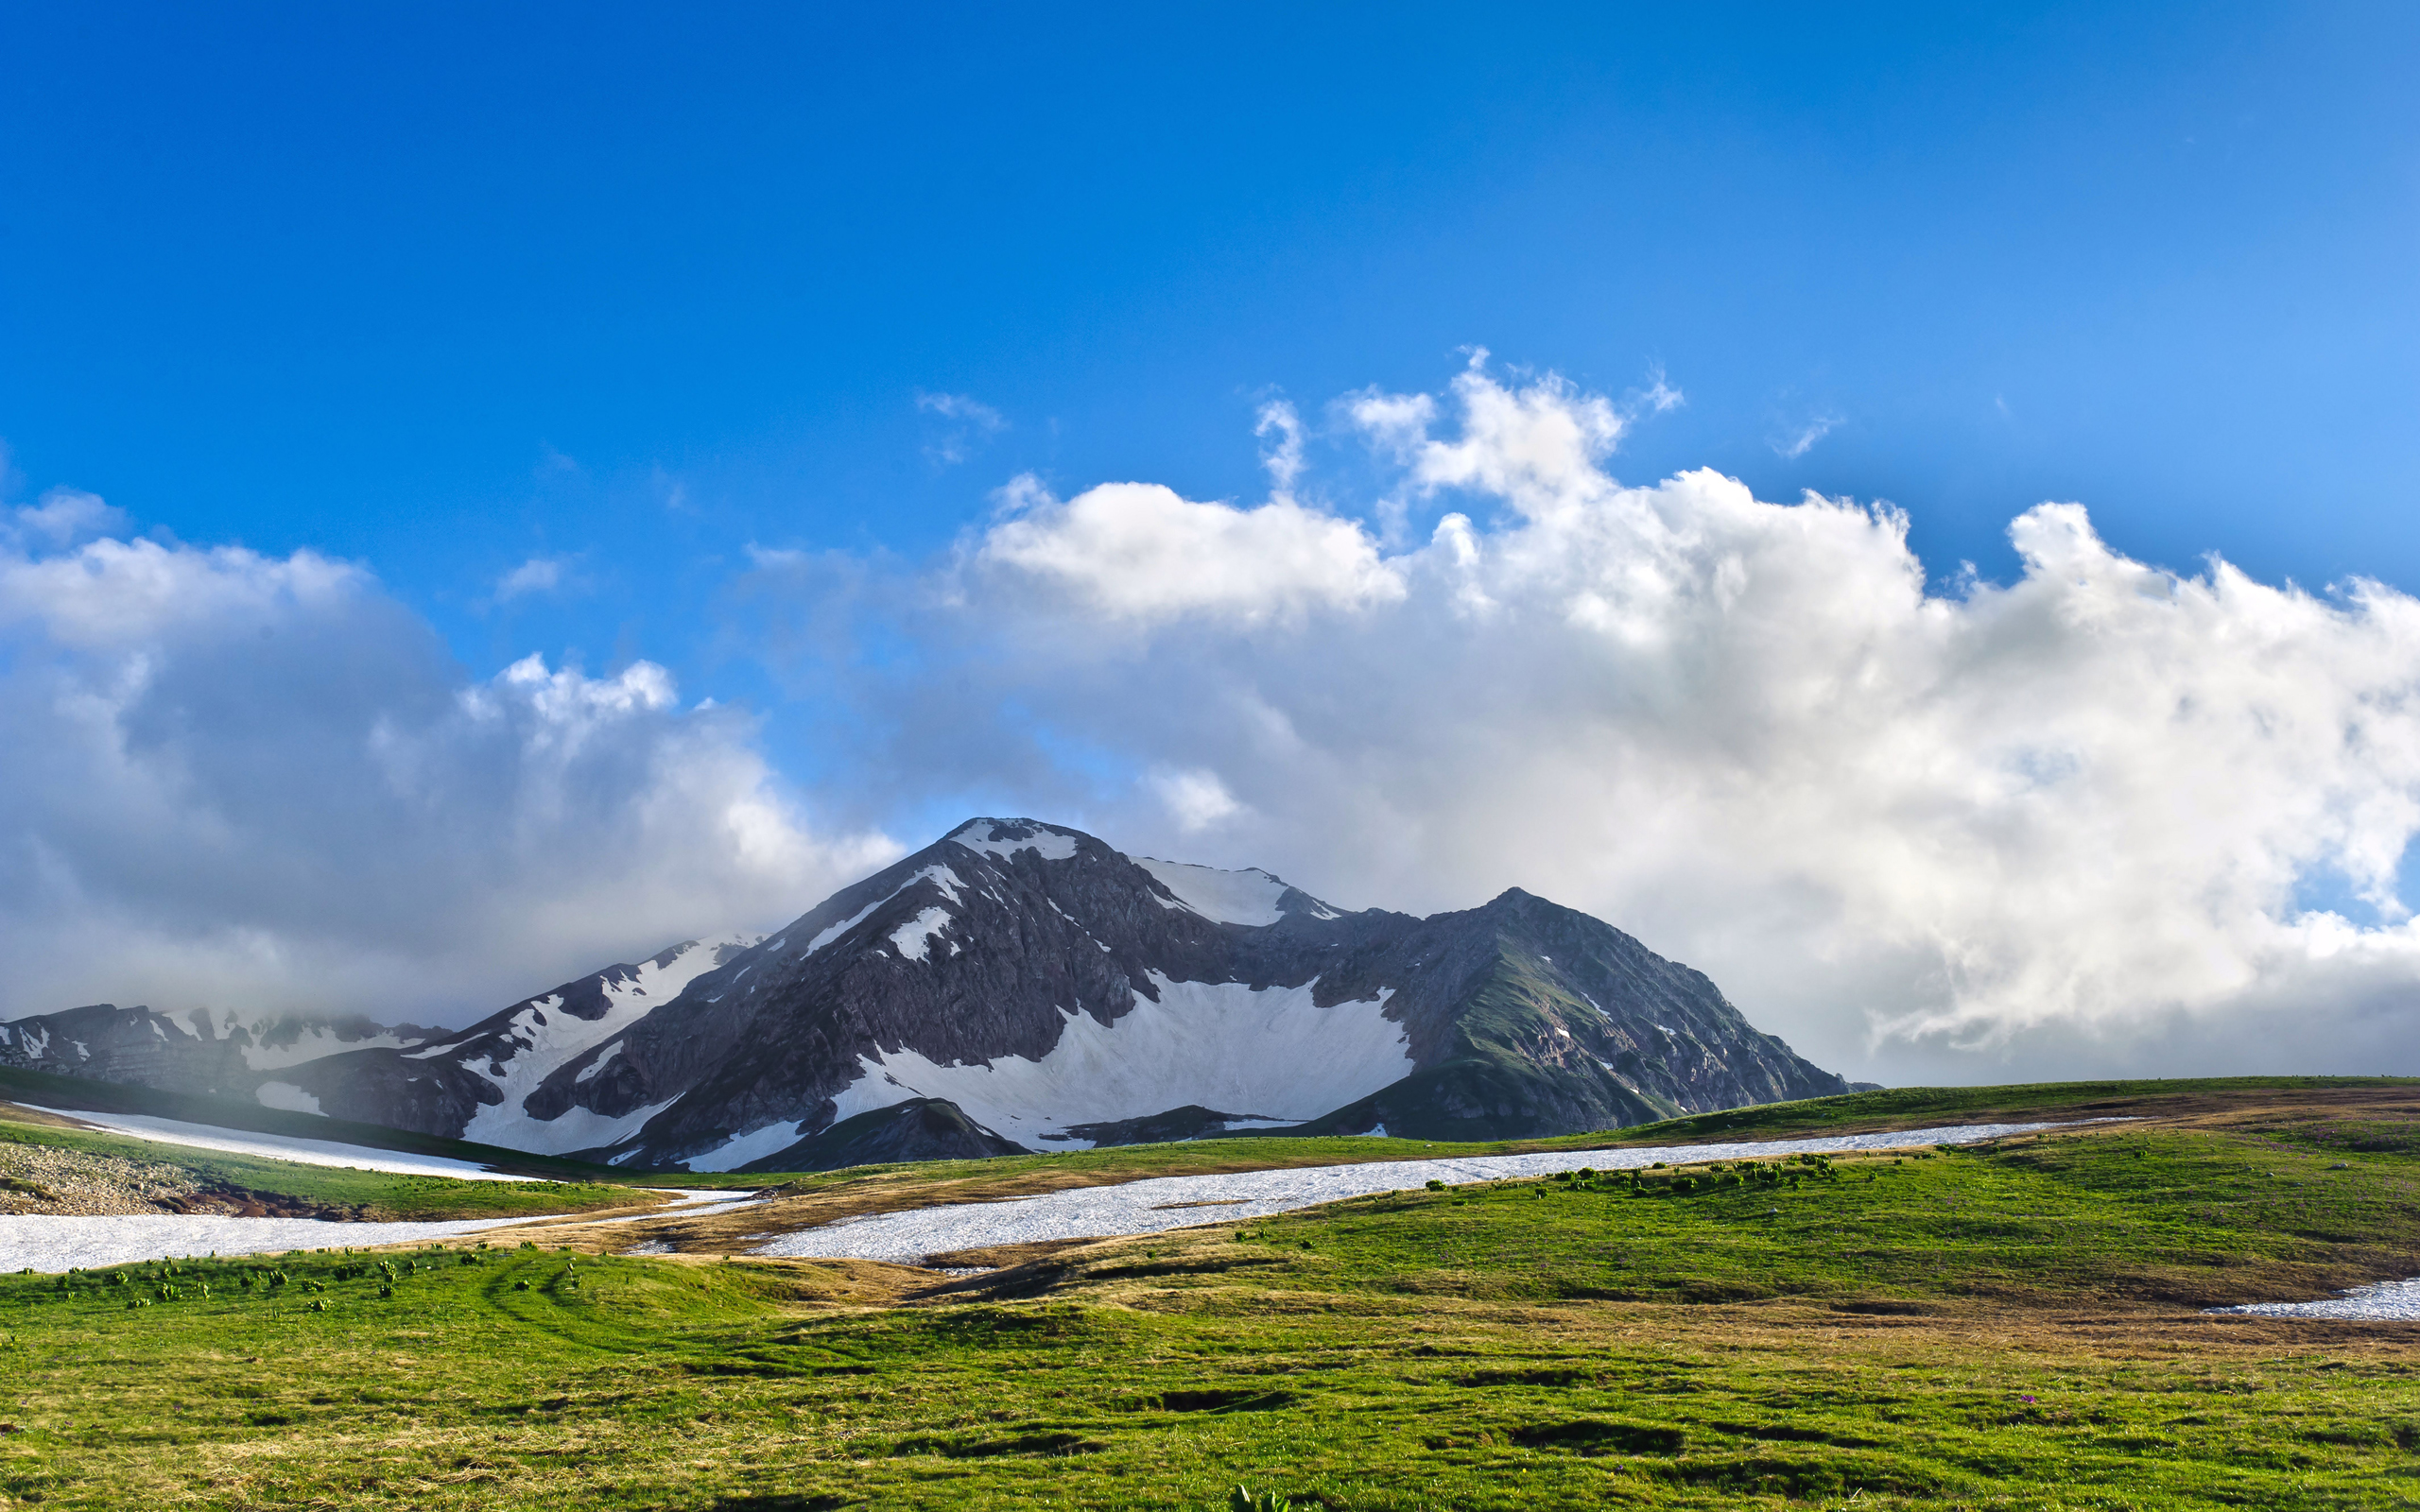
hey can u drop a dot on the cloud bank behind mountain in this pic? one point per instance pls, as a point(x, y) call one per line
point(2070, 823)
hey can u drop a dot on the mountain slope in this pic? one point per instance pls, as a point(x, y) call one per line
point(1026, 984)
point(1061, 993)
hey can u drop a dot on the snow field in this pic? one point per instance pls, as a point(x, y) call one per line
point(1228, 897)
point(1182, 1201)
point(52, 1244)
point(278, 1147)
point(1272, 1054)
point(2385, 1302)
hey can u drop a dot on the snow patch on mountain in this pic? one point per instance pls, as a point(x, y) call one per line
point(539, 1043)
point(847, 924)
point(914, 938)
point(286, 1097)
point(1049, 844)
point(1218, 1044)
point(753, 1145)
point(576, 1128)
point(1229, 897)
point(315, 1043)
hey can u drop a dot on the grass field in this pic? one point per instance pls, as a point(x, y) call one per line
point(2017, 1326)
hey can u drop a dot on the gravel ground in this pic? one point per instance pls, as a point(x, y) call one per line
point(1178, 1202)
point(2386, 1302)
point(73, 1183)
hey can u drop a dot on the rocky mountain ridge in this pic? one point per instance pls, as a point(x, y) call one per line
point(1024, 984)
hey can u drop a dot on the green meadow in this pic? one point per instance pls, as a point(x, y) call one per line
point(2015, 1326)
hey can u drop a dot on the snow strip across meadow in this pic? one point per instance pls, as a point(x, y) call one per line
point(50, 1244)
point(2385, 1302)
point(282, 1147)
point(1180, 1201)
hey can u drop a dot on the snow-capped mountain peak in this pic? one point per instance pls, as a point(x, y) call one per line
point(1023, 984)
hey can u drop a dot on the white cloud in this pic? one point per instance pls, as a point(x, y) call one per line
point(1142, 552)
point(539, 575)
point(240, 779)
point(1658, 396)
point(2061, 821)
point(965, 424)
point(1195, 798)
point(64, 517)
point(1284, 459)
point(1797, 441)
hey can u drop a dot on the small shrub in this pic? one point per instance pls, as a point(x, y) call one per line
point(1435, 1185)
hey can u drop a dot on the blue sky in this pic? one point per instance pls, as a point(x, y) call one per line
point(443, 289)
point(612, 296)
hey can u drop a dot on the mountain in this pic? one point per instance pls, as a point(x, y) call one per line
point(203, 1051)
point(1024, 984)
point(330, 1064)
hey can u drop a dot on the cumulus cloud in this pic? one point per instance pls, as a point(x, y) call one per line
point(2058, 824)
point(251, 780)
point(1143, 553)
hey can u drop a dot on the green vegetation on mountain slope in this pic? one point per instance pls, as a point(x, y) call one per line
point(2010, 1327)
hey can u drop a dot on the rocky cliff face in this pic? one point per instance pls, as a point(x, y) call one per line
point(1055, 993)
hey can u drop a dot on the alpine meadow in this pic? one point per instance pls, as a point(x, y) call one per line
point(1228, 758)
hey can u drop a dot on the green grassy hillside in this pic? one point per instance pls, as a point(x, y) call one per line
point(2011, 1328)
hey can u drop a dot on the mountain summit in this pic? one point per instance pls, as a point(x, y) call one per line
point(1025, 985)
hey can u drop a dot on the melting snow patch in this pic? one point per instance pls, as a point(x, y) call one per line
point(2385, 1302)
point(1173, 1202)
point(48, 1243)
